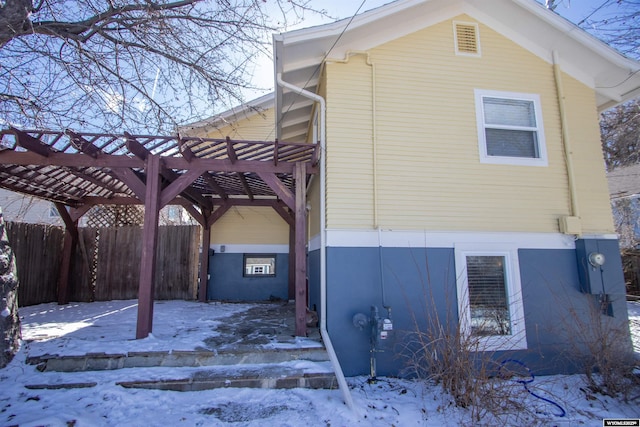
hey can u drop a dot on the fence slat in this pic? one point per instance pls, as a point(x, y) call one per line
point(38, 249)
point(106, 262)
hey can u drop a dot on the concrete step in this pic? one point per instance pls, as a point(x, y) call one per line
point(147, 359)
point(265, 376)
point(292, 374)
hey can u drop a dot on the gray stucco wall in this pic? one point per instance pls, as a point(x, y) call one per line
point(421, 282)
point(313, 272)
point(227, 283)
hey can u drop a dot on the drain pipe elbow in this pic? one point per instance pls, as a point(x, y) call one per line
point(342, 383)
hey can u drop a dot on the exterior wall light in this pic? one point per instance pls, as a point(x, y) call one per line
point(596, 259)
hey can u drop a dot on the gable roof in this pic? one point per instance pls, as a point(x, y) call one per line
point(248, 109)
point(299, 54)
point(624, 181)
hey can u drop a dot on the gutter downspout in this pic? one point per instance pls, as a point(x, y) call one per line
point(342, 383)
point(566, 142)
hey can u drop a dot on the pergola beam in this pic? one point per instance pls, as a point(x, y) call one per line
point(279, 188)
point(141, 152)
point(113, 161)
point(180, 185)
point(131, 179)
point(217, 214)
point(188, 154)
point(213, 184)
point(32, 144)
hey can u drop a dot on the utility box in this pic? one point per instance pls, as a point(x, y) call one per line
point(591, 277)
point(570, 225)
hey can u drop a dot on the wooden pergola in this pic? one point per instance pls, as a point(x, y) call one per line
point(77, 171)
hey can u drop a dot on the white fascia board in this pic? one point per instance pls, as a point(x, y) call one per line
point(604, 106)
point(446, 239)
point(581, 55)
point(575, 32)
point(248, 249)
point(247, 109)
point(335, 28)
point(398, 26)
point(404, 18)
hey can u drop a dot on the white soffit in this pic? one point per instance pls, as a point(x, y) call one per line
point(244, 111)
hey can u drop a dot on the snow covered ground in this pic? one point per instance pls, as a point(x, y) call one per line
point(180, 325)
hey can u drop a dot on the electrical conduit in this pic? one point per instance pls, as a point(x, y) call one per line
point(342, 383)
point(566, 142)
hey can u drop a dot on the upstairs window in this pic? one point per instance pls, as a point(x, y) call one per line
point(510, 128)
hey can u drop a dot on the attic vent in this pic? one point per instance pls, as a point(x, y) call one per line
point(466, 38)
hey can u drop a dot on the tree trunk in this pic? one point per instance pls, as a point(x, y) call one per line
point(9, 320)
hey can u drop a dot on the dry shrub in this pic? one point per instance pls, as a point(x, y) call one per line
point(442, 352)
point(601, 346)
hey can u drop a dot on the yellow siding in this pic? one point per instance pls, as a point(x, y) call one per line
point(349, 148)
point(250, 126)
point(429, 172)
point(250, 225)
point(313, 199)
point(247, 225)
point(591, 180)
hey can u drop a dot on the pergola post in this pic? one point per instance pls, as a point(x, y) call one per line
point(204, 262)
point(300, 249)
point(292, 262)
point(149, 240)
point(65, 266)
point(70, 240)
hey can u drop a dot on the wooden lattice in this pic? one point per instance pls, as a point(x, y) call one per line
point(115, 216)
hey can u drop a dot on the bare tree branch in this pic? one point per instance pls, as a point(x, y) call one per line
point(71, 63)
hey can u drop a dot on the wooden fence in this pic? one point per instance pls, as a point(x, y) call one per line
point(37, 249)
point(106, 263)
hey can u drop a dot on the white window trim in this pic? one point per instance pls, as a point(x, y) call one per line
point(518, 338)
point(506, 160)
point(455, 39)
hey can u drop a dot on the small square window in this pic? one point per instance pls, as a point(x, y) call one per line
point(259, 265)
point(488, 299)
point(510, 128)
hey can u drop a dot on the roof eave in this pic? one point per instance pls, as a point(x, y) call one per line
point(247, 109)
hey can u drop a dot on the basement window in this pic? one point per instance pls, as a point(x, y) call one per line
point(259, 265)
point(466, 38)
point(490, 297)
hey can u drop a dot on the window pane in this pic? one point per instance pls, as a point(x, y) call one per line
point(510, 112)
point(512, 143)
point(259, 265)
point(488, 295)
